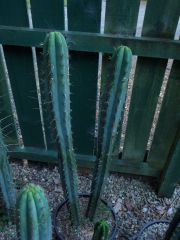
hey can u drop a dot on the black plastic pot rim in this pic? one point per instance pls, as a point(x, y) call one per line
point(150, 224)
point(59, 207)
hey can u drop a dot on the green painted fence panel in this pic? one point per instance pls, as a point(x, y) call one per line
point(161, 19)
point(47, 14)
point(21, 73)
point(83, 16)
point(6, 113)
point(121, 18)
point(171, 177)
point(168, 122)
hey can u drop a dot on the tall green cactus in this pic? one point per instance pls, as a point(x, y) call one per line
point(6, 181)
point(121, 62)
point(58, 87)
point(34, 219)
point(173, 232)
point(101, 230)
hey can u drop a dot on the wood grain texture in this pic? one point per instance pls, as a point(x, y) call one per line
point(161, 19)
point(84, 161)
point(121, 18)
point(6, 114)
point(171, 177)
point(21, 73)
point(93, 42)
point(168, 122)
point(83, 16)
point(46, 14)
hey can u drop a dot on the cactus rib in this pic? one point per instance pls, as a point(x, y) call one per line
point(101, 230)
point(57, 74)
point(121, 61)
point(34, 220)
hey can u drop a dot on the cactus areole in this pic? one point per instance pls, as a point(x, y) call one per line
point(57, 80)
point(121, 61)
point(34, 219)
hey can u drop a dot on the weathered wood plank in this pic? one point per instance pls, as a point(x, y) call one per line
point(168, 121)
point(161, 19)
point(93, 42)
point(83, 16)
point(121, 18)
point(84, 161)
point(48, 14)
point(6, 113)
point(21, 73)
point(171, 175)
point(51, 15)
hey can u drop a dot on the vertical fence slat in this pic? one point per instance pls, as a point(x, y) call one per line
point(6, 114)
point(168, 121)
point(83, 16)
point(171, 175)
point(121, 18)
point(21, 73)
point(47, 14)
point(160, 21)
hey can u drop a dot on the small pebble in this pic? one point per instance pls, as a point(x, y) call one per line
point(144, 210)
point(170, 211)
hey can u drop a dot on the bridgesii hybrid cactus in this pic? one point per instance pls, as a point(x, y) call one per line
point(34, 219)
point(57, 84)
point(121, 62)
point(101, 230)
point(173, 232)
point(6, 181)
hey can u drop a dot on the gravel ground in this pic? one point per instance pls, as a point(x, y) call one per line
point(133, 199)
point(154, 232)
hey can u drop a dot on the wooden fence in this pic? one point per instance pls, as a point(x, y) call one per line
point(23, 27)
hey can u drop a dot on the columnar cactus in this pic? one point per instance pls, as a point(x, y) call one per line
point(121, 61)
point(34, 219)
point(6, 181)
point(101, 230)
point(173, 232)
point(57, 85)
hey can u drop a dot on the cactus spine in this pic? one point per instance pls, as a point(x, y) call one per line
point(121, 61)
point(173, 232)
point(34, 219)
point(6, 180)
point(57, 74)
point(101, 230)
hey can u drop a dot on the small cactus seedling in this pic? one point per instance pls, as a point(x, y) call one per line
point(56, 83)
point(121, 62)
point(101, 230)
point(6, 181)
point(34, 219)
point(173, 232)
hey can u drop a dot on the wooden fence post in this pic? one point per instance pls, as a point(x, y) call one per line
point(171, 173)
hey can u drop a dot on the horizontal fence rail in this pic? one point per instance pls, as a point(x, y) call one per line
point(85, 161)
point(93, 42)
